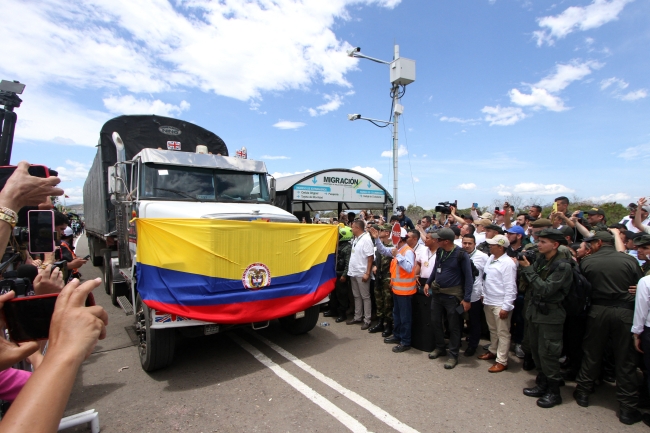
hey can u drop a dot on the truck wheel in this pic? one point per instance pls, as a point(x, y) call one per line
point(96, 260)
point(156, 347)
point(107, 274)
point(117, 290)
point(303, 325)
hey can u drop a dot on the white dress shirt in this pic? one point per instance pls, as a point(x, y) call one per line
point(362, 248)
point(500, 284)
point(641, 306)
point(427, 261)
point(479, 259)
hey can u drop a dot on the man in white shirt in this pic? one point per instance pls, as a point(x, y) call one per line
point(425, 259)
point(641, 326)
point(499, 294)
point(479, 259)
point(640, 218)
point(479, 234)
point(363, 253)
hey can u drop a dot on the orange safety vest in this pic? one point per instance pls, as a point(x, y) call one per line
point(402, 282)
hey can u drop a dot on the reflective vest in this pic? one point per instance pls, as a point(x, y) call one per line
point(402, 282)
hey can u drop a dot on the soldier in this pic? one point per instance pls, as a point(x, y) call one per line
point(383, 293)
point(339, 300)
point(643, 249)
point(611, 275)
point(548, 282)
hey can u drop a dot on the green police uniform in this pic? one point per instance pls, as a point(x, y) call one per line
point(342, 288)
point(383, 293)
point(644, 240)
point(610, 319)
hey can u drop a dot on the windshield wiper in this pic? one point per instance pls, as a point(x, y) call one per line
point(182, 194)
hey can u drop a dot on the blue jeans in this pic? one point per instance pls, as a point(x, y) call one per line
point(402, 318)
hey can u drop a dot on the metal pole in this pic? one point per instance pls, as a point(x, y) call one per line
point(395, 137)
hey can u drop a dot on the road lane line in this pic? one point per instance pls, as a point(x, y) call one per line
point(329, 407)
point(378, 412)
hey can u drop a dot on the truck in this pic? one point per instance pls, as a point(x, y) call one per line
point(154, 168)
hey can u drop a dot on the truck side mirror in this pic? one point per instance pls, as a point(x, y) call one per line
point(272, 190)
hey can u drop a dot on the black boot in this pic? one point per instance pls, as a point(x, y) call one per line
point(540, 389)
point(552, 396)
point(529, 364)
point(379, 327)
point(629, 416)
point(388, 329)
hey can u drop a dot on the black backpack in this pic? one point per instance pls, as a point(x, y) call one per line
point(578, 300)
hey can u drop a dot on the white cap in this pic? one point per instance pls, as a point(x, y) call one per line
point(402, 232)
point(68, 232)
point(499, 240)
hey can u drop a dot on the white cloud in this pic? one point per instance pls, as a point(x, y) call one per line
point(538, 98)
point(592, 16)
point(530, 188)
point(287, 124)
point(458, 120)
point(73, 170)
point(288, 173)
point(128, 104)
point(503, 116)
point(610, 197)
point(466, 186)
point(415, 179)
point(636, 152)
point(621, 84)
point(274, 157)
point(333, 103)
point(565, 74)
point(401, 151)
point(369, 171)
point(74, 193)
point(634, 95)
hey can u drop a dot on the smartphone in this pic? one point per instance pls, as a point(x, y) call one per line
point(41, 231)
point(87, 257)
point(475, 205)
point(28, 318)
point(581, 214)
point(35, 170)
point(497, 209)
point(460, 309)
point(555, 206)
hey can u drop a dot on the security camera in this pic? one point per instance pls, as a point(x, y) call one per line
point(354, 116)
point(354, 50)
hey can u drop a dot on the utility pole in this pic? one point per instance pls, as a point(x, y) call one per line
point(402, 72)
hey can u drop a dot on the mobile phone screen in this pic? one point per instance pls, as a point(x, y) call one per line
point(29, 318)
point(41, 231)
point(555, 207)
point(476, 205)
point(34, 170)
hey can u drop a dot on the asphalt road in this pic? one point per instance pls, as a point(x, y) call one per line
point(337, 378)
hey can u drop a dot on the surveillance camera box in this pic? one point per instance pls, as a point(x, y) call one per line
point(402, 71)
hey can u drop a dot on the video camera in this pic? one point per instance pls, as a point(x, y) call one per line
point(445, 207)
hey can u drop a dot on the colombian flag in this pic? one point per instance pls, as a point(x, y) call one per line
point(234, 271)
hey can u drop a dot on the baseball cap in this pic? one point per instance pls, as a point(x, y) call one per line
point(518, 230)
point(444, 234)
point(596, 211)
point(542, 222)
point(402, 232)
point(68, 232)
point(499, 240)
point(386, 227)
point(500, 212)
point(494, 227)
point(487, 215)
point(600, 236)
point(630, 235)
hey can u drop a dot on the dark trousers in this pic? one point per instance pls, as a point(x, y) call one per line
point(574, 333)
point(339, 302)
point(517, 324)
point(402, 318)
point(645, 346)
point(446, 303)
point(475, 324)
point(604, 323)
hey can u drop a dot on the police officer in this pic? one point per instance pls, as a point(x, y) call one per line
point(403, 220)
point(548, 282)
point(383, 293)
point(611, 275)
point(642, 244)
point(339, 300)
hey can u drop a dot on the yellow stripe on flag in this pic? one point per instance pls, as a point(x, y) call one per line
point(224, 249)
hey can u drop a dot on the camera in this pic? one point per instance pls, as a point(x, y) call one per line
point(530, 255)
point(21, 286)
point(444, 207)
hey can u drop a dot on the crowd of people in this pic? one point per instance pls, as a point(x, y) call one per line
point(38, 398)
point(569, 293)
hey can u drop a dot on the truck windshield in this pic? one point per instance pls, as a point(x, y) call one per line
point(169, 182)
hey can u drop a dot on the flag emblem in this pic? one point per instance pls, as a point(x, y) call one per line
point(173, 145)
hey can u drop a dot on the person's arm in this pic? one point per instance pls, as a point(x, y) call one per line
point(638, 219)
point(474, 214)
point(453, 214)
point(468, 279)
point(382, 249)
point(509, 288)
point(581, 229)
point(618, 242)
point(507, 214)
point(406, 261)
point(366, 275)
point(641, 306)
point(74, 332)
point(561, 277)
point(566, 220)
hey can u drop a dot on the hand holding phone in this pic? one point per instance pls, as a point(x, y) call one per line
point(22, 189)
point(28, 317)
point(10, 353)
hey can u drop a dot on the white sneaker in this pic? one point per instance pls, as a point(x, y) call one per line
point(519, 352)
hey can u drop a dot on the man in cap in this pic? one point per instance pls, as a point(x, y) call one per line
point(596, 221)
point(383, 293)
point(643, 250)
point(404, 285)
point(339, 303)
point(612, 309)
point(515, 235)
point(450, 286)
point(479, 234)
point(491, 230)
point(499, 294)
point(548, 281)
point(403, 220)
point(638, 217)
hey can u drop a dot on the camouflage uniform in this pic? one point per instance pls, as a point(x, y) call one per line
point(383, 293)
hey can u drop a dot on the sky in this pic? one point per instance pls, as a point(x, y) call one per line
point(511, 97)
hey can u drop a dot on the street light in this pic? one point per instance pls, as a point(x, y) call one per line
point(402, 72)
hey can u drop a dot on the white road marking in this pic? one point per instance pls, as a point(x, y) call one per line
point(375, 410)
point(329, 407)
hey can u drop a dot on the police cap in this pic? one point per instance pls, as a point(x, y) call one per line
point(494, 227)
point(642, 240)
point(542, 222)
point(444, 234)
point(601, 235)
point(553, 234)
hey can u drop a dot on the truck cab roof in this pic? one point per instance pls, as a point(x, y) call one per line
point(172, 157)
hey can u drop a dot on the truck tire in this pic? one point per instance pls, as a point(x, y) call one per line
point(303, 325)
point(96, 260)
point(156, 347)
point(118, 289)
point(107, 274)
